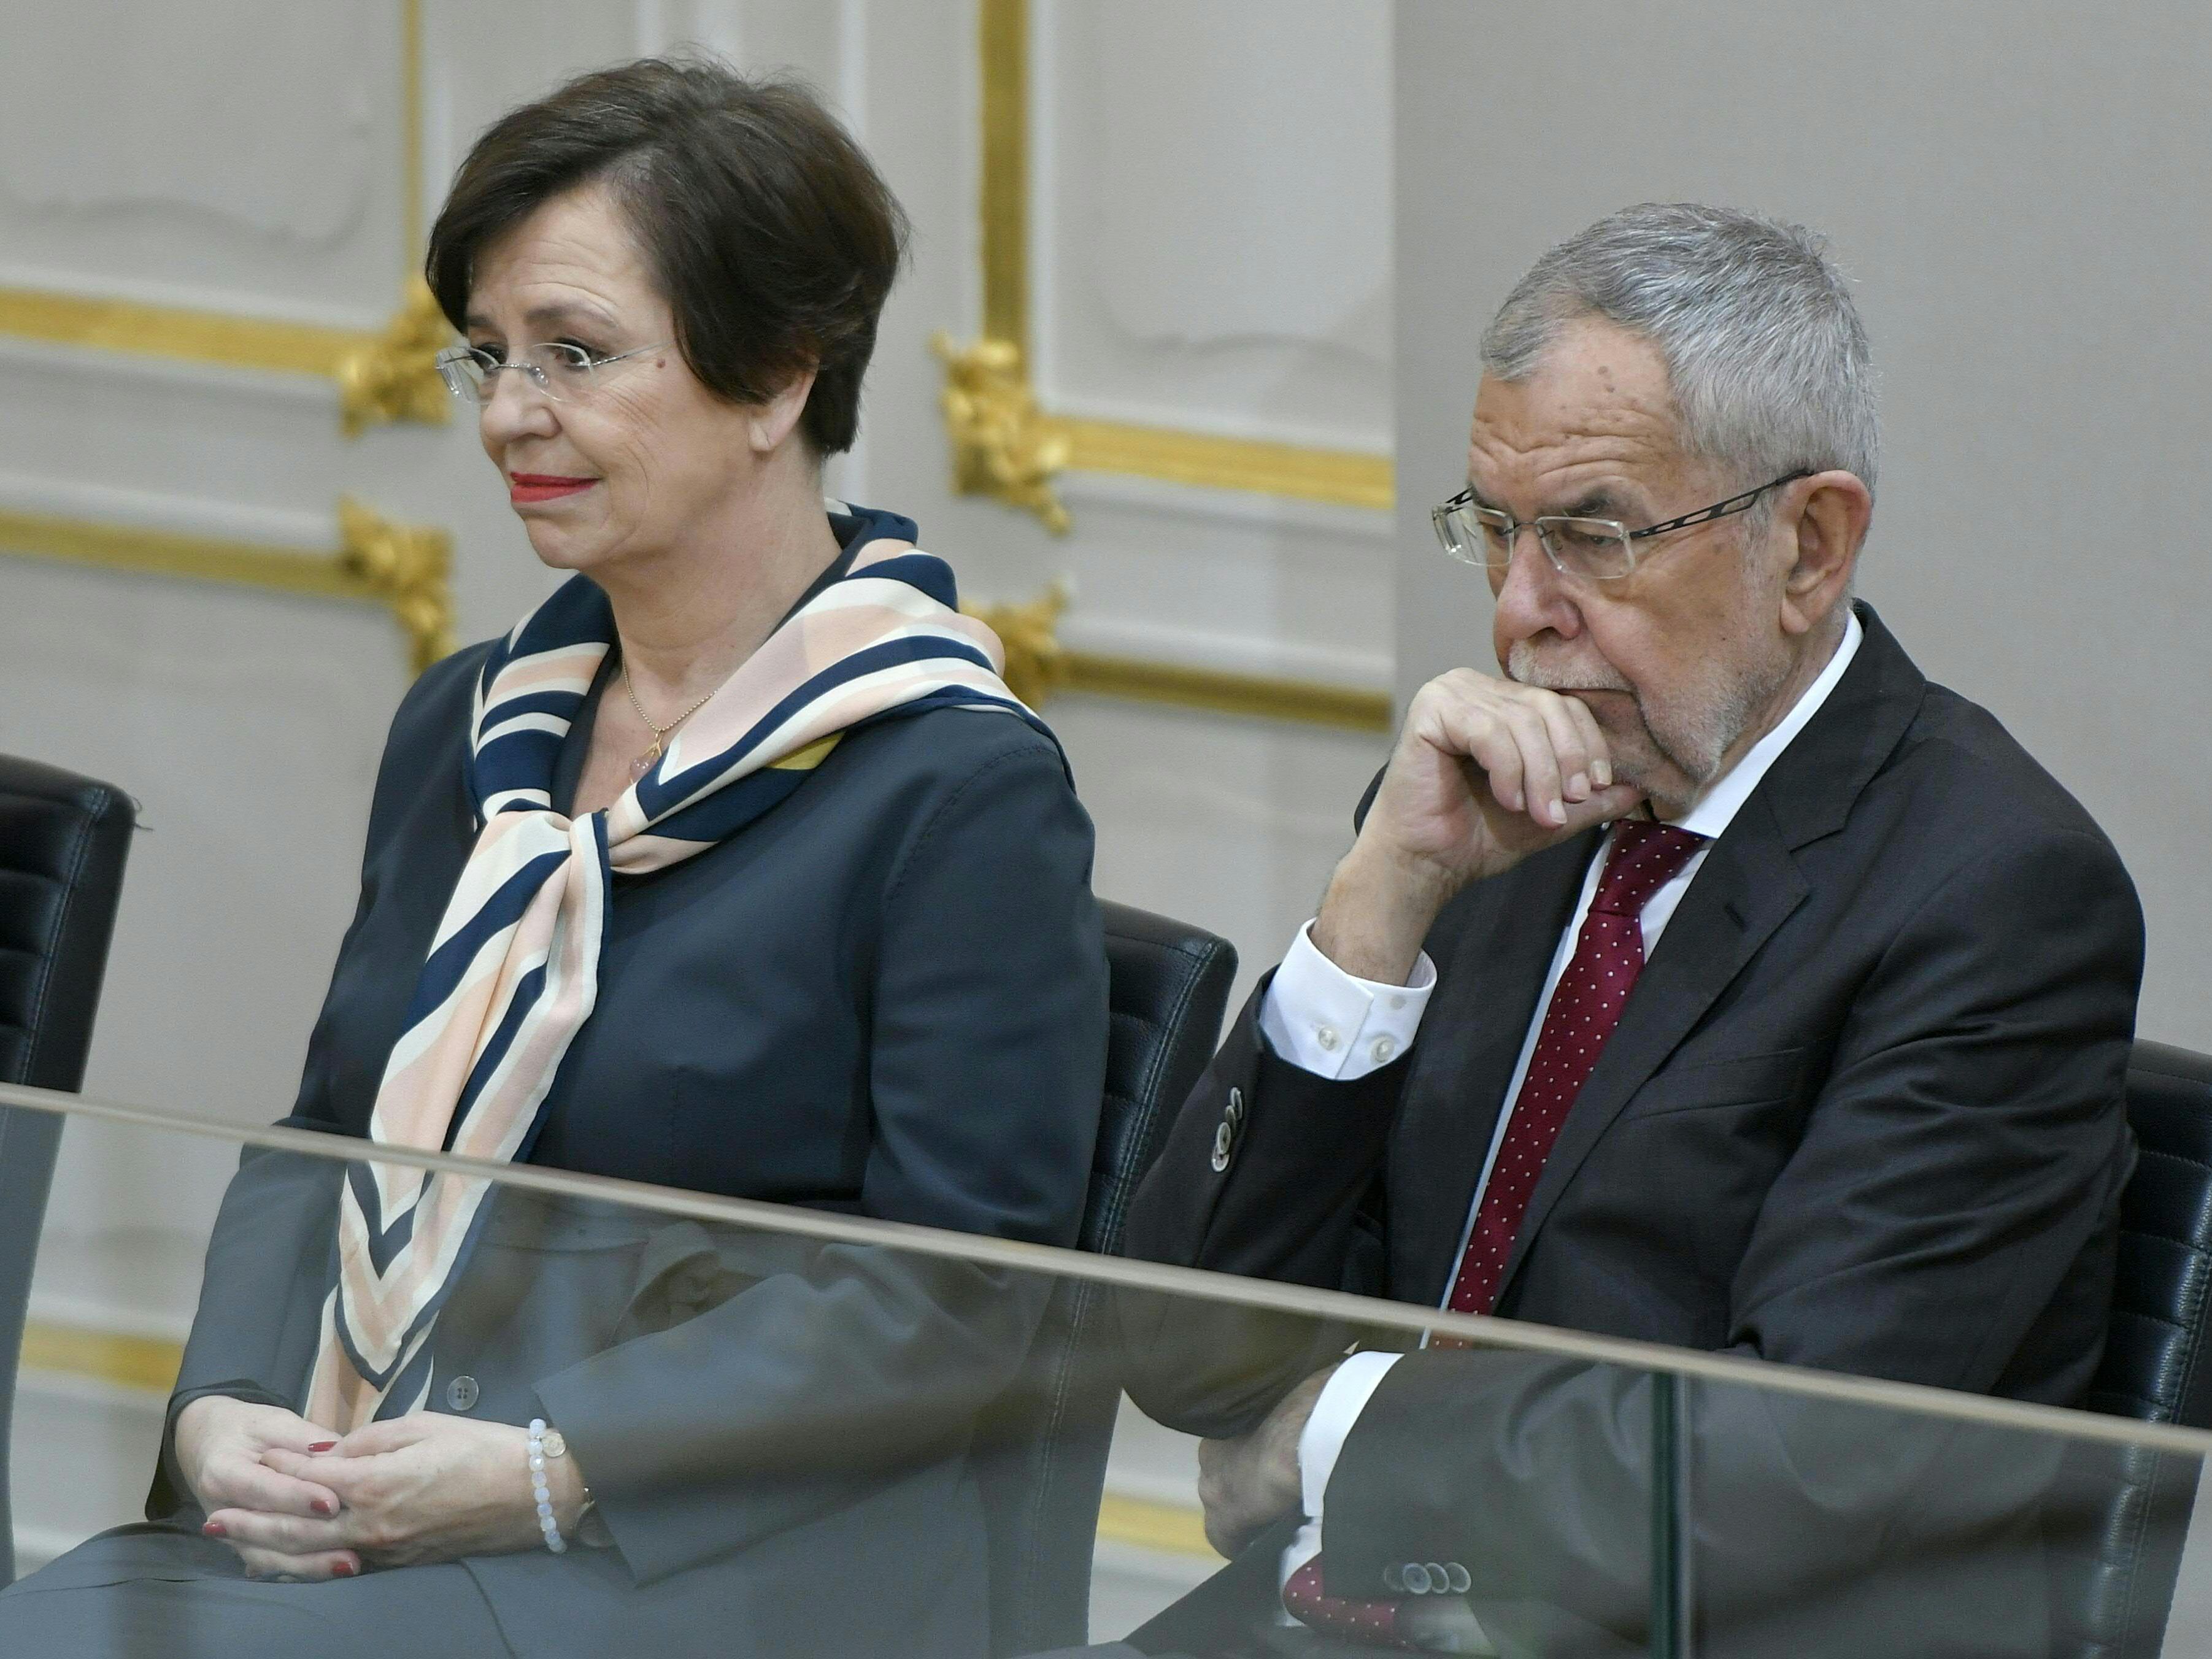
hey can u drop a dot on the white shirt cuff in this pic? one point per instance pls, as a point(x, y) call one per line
point(1343, 1397)
point(1322, 1020)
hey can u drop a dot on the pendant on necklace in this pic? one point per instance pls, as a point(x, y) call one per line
point(643, 763)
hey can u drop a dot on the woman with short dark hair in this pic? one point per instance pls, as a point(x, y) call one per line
point(768, 886)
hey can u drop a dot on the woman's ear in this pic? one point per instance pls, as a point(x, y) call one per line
point(1831, 524)
point(771, 422)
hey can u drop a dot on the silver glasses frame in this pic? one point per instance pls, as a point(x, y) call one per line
point(1460, 523)
point(453, 367)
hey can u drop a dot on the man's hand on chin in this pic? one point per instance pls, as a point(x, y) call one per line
point(1486, 771)
point(1248, 1483)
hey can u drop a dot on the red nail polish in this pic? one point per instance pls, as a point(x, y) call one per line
point(322, 1445)
point(344, 1569)
point(324, 1506)
point(215, 1530)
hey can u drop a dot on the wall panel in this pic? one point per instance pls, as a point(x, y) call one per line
point(138, 159)
point(1212, 224)
point(2008, 186)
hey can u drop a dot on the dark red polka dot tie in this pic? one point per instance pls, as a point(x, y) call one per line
point(1585, 1007)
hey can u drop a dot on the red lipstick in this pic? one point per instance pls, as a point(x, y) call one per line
point(525, 487)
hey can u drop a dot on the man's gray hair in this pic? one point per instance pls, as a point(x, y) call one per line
point(1764, 351)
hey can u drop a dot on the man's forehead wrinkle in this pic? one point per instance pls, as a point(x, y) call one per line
point(1566, 464)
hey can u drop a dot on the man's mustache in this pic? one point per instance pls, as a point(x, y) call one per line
point(1525, 667)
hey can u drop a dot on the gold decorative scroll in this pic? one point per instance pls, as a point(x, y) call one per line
point(1005, 443)
point(395, 378)
point(1037, 665)
point(1002, 444)
point(409, 568)
point(406, 568)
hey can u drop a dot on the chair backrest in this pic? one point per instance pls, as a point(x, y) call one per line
point(63, 842)
point(2131, 1508)
point(1044, 1467)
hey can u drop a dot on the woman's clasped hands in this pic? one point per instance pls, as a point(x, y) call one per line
point(298, 1501)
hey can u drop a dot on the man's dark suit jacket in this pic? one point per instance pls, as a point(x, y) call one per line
point(1862, 1112)
point(887, 998)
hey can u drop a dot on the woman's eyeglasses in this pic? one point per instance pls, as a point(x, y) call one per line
point(562, 371)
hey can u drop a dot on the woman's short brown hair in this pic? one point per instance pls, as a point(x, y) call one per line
point(771, 234)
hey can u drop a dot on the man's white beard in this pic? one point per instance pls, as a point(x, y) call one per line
point(1691, 735)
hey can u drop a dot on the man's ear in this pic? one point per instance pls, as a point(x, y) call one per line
point(771, 422)
point(1826, 530)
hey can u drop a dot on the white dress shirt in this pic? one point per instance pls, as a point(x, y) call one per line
point(1322, 1020)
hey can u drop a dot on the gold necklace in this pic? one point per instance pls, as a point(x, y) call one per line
point(644, 762)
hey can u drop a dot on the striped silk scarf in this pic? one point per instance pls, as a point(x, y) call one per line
point(513, 970)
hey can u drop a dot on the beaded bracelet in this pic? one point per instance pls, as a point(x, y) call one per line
point(541, 1491)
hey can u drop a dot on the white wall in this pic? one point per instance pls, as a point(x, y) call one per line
point(2018, 188)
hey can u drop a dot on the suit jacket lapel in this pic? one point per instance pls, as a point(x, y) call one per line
point(1746, 888)
point(1491, 976)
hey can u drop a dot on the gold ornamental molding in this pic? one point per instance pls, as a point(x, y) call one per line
point(1149, 1524)
point(1005, 443)
point(395, 377)
point(1002, 444)
point(382, 376)
point(147, 1363)
point(1038, 666)
point(1346, 478)
point(1304, 703)
point(1036, 662)
point(406, 569)
point(192, 336)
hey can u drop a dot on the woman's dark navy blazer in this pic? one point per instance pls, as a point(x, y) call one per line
point(887, 998)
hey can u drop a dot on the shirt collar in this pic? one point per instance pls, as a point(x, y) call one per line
point(1725, 798)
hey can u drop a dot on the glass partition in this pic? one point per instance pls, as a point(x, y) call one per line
point(771, 1431)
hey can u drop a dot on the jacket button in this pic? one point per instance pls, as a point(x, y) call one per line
point(1439, 1580)
point(1416, 1578)
point(462, 1394)
point(1392, 1579)
point(1224, 1132)
point(1460, 1577)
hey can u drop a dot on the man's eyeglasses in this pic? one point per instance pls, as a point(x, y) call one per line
point(563, 372)
point(1597, 549)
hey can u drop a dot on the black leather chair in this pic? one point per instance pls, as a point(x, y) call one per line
point(63, 842)
point(1044, 1464)
point(2122, 1527)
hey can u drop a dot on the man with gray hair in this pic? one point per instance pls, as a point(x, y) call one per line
point(1707, 977)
